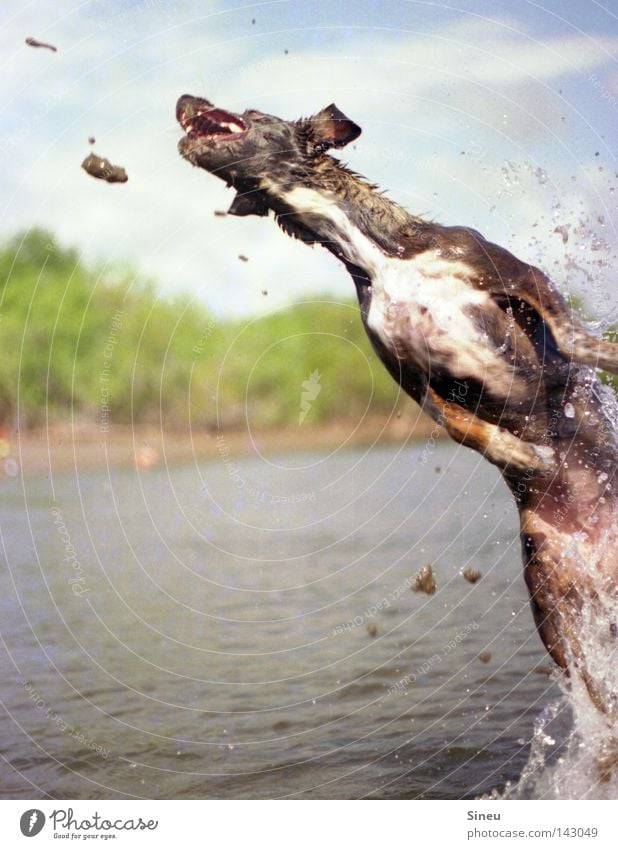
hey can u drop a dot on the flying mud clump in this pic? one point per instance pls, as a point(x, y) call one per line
point(32, 42)
point(425, 581)
point(471, 575)
point(102, 169)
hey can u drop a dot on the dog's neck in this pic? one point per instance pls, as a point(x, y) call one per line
point(349, 216)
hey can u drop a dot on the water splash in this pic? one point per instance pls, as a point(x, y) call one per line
point(575, 242)
point(574, 748)
point(574, 751)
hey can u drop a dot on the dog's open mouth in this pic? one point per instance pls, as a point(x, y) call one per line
point(200, 120)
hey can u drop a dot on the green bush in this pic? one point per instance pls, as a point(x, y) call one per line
point(77, 340)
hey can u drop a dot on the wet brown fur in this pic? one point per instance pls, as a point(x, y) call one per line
point(560, 468)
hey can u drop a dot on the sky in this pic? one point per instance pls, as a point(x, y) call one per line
point(498, 115)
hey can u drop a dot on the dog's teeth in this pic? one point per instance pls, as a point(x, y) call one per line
point(231, 126)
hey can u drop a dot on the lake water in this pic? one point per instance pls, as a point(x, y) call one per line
point(203, 631)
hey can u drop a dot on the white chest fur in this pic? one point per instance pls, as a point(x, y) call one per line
point(419, 311)
point(418, 306)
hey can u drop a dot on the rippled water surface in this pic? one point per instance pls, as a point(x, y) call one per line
point(205, 631)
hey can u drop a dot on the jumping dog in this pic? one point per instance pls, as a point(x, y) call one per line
point(481, 340)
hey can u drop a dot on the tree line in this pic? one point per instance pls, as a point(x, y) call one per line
point(107, 346)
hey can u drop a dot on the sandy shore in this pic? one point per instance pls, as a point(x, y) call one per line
point(80, 446)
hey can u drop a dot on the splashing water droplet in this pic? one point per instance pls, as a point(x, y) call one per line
point(541, 175)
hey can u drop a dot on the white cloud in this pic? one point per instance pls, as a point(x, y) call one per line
point(485, 87)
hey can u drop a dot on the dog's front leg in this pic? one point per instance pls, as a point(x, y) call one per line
point(496, 444)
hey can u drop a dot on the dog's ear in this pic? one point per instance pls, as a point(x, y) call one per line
point(251, 204)
point(331, 128)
